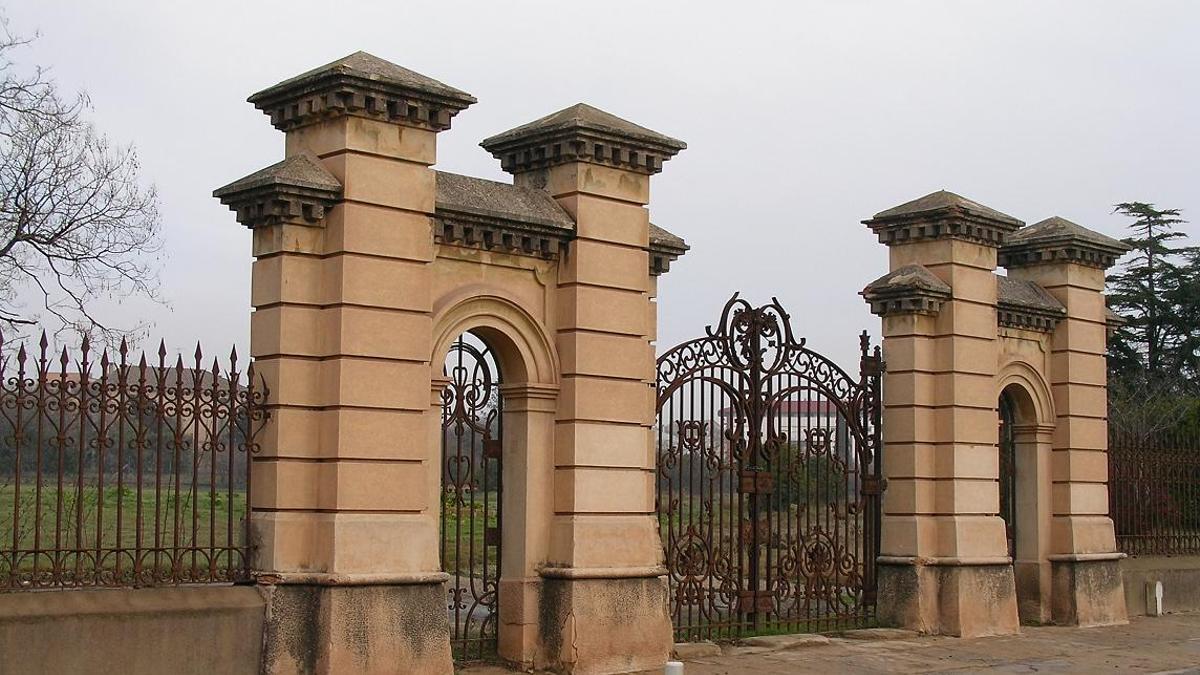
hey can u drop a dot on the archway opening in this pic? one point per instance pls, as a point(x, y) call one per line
point(1024, 466)
point(472, 505)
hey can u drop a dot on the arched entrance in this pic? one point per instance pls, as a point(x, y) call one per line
point(472, 481)
point(1008, 470)
point(1024, 504)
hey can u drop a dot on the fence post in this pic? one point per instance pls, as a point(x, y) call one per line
point(346, 486)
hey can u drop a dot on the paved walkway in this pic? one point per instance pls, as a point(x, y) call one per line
point(1168, 644)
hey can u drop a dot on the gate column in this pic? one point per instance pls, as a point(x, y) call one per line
point(602, 603)
point(345, 510)
point(944, 564)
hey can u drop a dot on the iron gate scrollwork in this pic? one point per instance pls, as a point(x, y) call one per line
point(471, 488)
point(768, 480)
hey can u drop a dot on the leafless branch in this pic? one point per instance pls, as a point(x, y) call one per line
point(76, 222)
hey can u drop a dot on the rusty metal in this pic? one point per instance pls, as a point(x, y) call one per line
point(768, 480)
point(122, 473)
point(471, 499)
point(1154, 490)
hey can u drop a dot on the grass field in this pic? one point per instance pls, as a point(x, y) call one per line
point(82, 518)
point(463, 532)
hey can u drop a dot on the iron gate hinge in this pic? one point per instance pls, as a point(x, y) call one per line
point(874, 485)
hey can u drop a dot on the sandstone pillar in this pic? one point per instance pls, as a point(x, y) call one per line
point(602, 605)
point(1069, 261)
point(346, 484)
point(944, 565)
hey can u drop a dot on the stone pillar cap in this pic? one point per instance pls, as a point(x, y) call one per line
point(1057, 239)
point(297, 189)
point(582, 133)
point(942, 215)
point(366, 86)
point(911, 289)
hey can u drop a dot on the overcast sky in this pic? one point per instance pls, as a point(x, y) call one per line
point(801, 118)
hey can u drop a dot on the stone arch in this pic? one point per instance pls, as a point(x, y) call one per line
point(524, 349)
point(1032, 428)
point(1036, 406)
point(529, 372)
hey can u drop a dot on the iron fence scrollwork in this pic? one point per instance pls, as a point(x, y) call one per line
point(768, 479)
point(123, 472)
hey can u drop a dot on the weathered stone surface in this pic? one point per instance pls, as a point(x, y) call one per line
point(298, 189)
point(686, 651)
point(364, 85)
point(782, 642)
point(582, 133)
point(910, 289)
point(1058, 239)
point(879, 634)
point(146, 631)
point(604, 625)
point(362, 629)
point(942, 215)
point(1024, 304)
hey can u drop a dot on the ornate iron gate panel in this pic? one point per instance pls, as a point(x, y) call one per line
point(471, 482)
point(768, 480)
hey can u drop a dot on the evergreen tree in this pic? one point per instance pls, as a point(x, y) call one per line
point(1154, 359)
point(1147, 292)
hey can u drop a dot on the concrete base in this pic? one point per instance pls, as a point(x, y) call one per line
point(1088, 593)
point(378, 629)
point(126, 631)
point(1180, 577)
point(595, 626)
point(959, 600)
point(1034, 590)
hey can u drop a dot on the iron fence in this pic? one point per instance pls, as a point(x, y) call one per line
point(116, 472)
point(1154, 491)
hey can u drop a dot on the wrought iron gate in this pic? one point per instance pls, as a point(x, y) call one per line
point(768, 480)
point(471, 482)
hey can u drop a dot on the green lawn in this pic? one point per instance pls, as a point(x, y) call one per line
point(87, 518)
point(463, 531)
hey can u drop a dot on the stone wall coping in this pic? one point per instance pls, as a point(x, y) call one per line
point(342, 579)
point(963, 561)
point(602, 572)
point(1085, 557)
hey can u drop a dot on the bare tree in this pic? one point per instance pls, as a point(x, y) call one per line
point(76, 222)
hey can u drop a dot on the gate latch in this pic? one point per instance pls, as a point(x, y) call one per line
point(491, 536)
point(492, 448)
point(754, 481)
